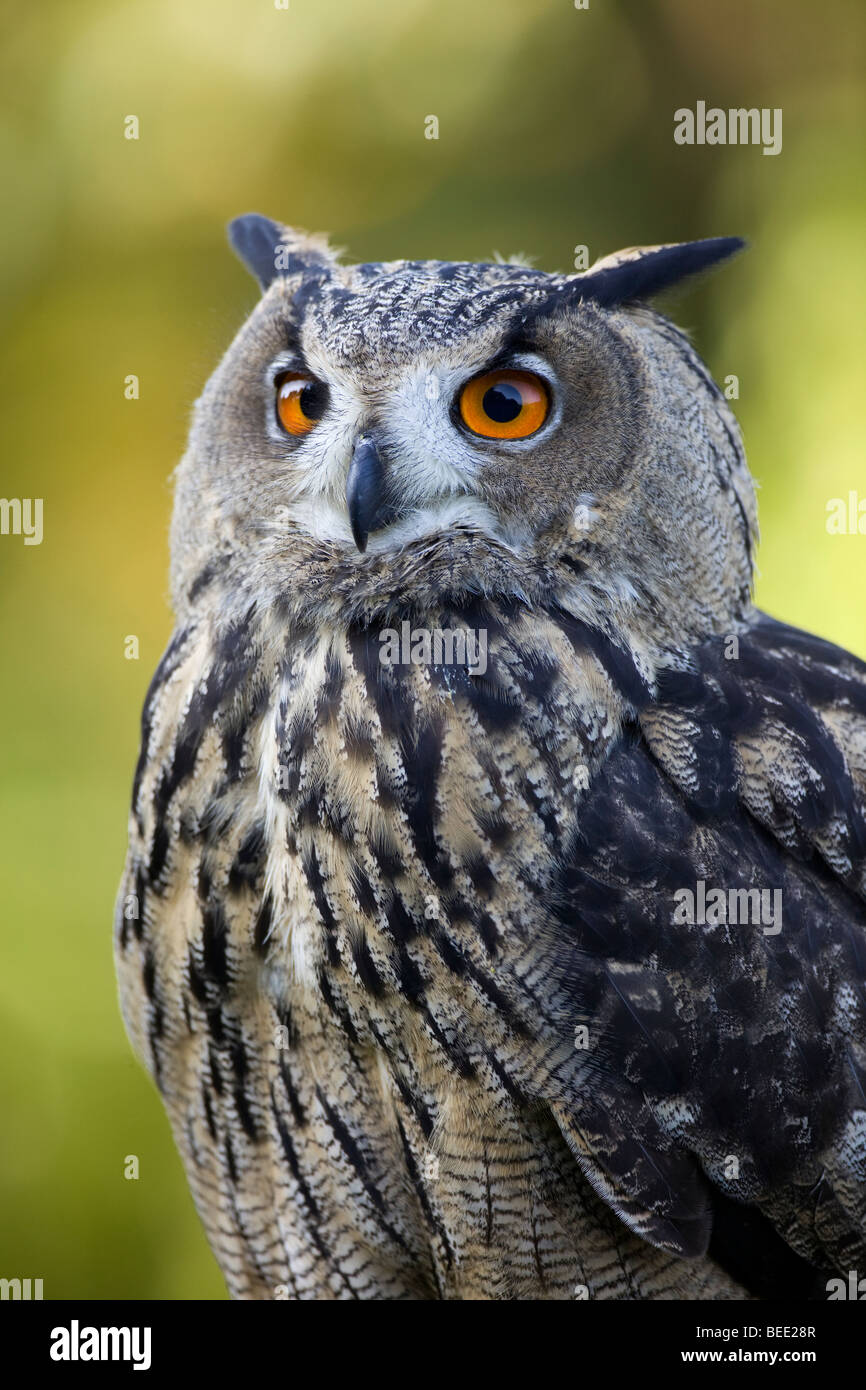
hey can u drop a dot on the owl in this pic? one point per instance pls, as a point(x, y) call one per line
point(493, 920)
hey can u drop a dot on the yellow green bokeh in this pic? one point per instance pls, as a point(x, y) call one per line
point(555, 130)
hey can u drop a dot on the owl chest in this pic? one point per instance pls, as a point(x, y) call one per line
point(415, 824)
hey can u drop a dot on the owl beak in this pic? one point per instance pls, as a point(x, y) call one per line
point(369, 509)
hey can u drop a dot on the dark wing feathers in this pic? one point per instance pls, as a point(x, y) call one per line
point(727, 1057)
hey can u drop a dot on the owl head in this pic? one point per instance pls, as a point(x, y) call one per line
point(381, 435)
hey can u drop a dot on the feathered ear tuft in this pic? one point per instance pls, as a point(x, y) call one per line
point(643, 271)
point(269, 249)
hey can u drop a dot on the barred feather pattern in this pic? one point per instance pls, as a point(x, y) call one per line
point(368, 908)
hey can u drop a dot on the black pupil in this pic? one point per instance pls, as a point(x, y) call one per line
point(502, 402)
point(312, 400)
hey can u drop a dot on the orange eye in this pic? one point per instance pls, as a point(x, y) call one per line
point(507, 404)
point(301, 401)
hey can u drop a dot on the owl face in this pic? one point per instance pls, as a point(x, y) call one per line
point(529, 427)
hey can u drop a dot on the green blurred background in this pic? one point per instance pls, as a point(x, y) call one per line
point(556, 129)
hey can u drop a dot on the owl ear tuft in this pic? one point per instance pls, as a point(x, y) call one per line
point(269, 249)
point(643, 271)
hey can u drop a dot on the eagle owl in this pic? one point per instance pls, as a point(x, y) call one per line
point(493, 922)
